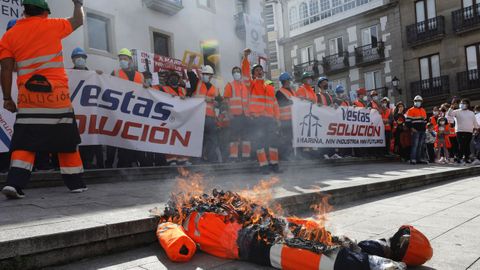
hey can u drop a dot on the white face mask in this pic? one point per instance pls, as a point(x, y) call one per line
point(80, 62)
point(148, 82)
point(375, 98)
point(463, 106)
point(309, 81)
point(384, 105)
point(435, 113)
point(205, 78)
point(365, 98)
point(124, 64)
point(237, 76)
point(417, 104)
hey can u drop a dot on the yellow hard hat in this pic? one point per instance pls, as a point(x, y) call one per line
point(125, 52)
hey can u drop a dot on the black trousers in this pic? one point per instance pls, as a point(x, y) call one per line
point(88, 153)
point(464, 139)
point(431, 152)
point(210, 140)
point(286, 138)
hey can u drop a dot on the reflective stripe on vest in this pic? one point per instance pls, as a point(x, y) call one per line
point(308, 93)
point(46, 61)
point(286, 111)
point(202, 91)
point(123, 75)
point(288, 258)
point(324, 100)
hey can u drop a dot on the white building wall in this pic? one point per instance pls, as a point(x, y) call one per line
point(133, 20)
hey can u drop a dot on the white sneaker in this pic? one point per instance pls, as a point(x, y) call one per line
point(12, 193)
point(326, 156)
point(476, 162)
point(79, 190)
point(336, 156)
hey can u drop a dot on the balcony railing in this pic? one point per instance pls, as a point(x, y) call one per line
point(468, 80)
point(336, 63)
point(170, 7)
point(240, 28)
point(466, 19)
point(434, 87)
point(370, 54)
point(426, 31)
point(311, 66)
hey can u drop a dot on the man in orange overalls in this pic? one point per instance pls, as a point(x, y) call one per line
point(45, 119)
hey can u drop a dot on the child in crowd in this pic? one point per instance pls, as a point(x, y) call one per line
point(430, 137)
point(442, 141)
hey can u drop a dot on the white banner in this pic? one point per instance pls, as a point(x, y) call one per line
point(120, 113)
point(10, 9)
point(326, 127)
point(255, 30)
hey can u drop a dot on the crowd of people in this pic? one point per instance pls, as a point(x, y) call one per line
point(251, 119)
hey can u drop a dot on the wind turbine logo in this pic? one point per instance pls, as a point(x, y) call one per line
point(310, 121)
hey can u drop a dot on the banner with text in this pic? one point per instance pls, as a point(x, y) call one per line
point(112, 111)
point(326, 127)
point(115, 112)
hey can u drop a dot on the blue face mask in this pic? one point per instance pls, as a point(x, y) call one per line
point(124, 64)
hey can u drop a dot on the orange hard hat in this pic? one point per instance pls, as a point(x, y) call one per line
point(419, 250)
point(362, 91)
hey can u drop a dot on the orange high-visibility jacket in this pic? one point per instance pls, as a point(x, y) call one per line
point(202, 91)
point(236, 94)
point(386, 117)
point(36, 46)
point(181, 92)
point(122, 75)
point(177, 245)
point(262, 102)
point(416, 118)
point(359, 103)
point(306, 91)
point(286, 111)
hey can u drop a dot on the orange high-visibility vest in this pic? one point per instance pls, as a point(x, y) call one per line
point(325, 99)
point(386, 119)
point(262, 100)
point(359, 103)
point(214, 233)
point(122, 75)
point(289, 258)
point(236, 94)
point(181, 92)
point(286, 111)
point(307, 92)
point(36, 46)
point(375, 106)
point(345, 103)
point(202, 91)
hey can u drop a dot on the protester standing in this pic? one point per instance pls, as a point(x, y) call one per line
point(35, 46)
point(465, 125)
point(416, 120)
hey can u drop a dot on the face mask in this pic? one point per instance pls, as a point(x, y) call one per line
point(124, 64)
point(400, 122)
point(80, 62)
point(384, 105)
point(237, 76)
point(206, 78)
point(365, 98)
point(435, 113)
point(148, 82)
point(463, 106)
point(441, 123)
point(417, 104)
point(375, 98)
point(309, 81)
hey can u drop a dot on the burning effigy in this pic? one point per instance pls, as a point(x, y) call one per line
point(246, 226)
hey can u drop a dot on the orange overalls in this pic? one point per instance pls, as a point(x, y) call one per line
point(45, 119)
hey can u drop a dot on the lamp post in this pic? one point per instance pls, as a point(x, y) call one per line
point(396, 84)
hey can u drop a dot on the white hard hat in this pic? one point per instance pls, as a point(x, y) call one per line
point(418, 98)
point(207, 70)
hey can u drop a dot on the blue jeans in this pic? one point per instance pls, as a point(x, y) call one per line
point(418, 141)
